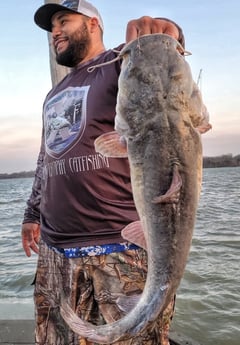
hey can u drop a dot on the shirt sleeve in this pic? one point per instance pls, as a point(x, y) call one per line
point(32, 211)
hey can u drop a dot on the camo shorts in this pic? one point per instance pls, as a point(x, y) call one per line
point(93, 286)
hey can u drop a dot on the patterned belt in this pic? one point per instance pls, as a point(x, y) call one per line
point(79, 252)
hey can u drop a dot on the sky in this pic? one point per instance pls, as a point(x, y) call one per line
point(211, 29)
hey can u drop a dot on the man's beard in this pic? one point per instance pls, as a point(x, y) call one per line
point(77, 48)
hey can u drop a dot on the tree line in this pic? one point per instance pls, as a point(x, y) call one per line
point(221, 161)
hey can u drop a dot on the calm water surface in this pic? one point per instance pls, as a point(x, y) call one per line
point(208, 302)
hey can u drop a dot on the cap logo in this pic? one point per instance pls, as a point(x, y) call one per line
point(72, 4)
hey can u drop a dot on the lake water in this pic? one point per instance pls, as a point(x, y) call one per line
point(208, 301)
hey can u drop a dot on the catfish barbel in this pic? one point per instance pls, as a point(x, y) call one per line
point(160, 115)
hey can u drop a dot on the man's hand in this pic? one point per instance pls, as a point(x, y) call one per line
point(30, 237)
point(148, 25)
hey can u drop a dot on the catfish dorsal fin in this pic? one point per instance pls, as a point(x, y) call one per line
point(111, 144)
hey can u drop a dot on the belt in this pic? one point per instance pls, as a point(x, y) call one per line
point(103, 249)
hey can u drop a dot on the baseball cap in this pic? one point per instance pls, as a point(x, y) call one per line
point(44, 14)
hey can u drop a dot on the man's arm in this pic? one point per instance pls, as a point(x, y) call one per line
point(31, 220)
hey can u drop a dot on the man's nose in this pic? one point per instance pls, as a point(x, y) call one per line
point(56, 31)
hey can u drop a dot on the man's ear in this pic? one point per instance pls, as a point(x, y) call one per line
point(93, 24)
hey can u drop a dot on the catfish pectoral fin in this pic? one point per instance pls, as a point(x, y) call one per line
point(133, 233)
point(173, 193)
point(111, 145)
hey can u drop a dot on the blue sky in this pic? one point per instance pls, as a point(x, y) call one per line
point(211, 29)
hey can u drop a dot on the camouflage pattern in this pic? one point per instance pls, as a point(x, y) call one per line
point(96, 288)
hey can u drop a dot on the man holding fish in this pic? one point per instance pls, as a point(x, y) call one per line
point(81, 217)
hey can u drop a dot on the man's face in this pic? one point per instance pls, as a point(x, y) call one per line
point(71, 38)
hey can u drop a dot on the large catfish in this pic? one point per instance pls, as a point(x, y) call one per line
point(160, 116)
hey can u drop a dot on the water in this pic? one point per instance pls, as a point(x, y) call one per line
point(16, 271)
point(208, 302)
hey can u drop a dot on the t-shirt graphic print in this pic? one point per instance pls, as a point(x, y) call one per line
point(65, 120)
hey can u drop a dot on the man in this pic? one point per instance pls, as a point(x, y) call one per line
point(81, 201)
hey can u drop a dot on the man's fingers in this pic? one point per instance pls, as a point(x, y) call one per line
point(34, 247)
point(26, 247)
point(171, 30)
point(138, 27)
point(132, 31)
point(29, 245)
point(147, 25)
point(30, 237)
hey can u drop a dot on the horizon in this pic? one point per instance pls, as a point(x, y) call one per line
point(204, 157)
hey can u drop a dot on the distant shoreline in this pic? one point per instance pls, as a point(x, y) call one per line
point(222, 161)
point(21, 174)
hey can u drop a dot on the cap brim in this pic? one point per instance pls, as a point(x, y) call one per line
point(44, 15)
